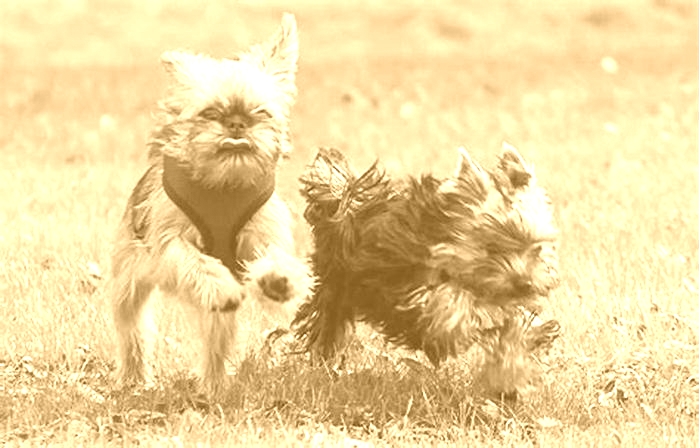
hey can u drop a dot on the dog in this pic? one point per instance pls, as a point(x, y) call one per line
point(204, 224)
point(434, 265)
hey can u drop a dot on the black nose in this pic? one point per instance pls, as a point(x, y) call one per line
point(523, 285)
point(236, 124)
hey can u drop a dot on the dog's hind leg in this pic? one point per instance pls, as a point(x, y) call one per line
point(323, 323)
point(132, 324)
point(131, 289)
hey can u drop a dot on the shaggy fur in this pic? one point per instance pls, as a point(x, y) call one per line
point(223, 128)
point(435, 265)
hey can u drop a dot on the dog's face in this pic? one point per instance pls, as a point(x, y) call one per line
point(507, 248)
point(228, 119)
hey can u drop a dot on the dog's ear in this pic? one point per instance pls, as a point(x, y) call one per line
point(472, 175)
point(280, 54)
point(512, 164)
point(188, 70)
point(173, 60)
point(195, 79)
point(183, 69)
point(181, 65)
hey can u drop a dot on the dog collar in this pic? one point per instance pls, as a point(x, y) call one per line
point(218, 213)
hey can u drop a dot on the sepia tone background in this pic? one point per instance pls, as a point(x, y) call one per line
point(602, 96)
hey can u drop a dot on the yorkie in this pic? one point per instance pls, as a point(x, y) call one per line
point(204, 224)
point(434, 265)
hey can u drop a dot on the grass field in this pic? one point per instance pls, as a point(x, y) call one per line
point(601, 95)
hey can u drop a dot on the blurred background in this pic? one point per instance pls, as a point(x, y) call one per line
point(375, 76)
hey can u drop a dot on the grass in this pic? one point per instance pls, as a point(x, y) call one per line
point(616, 149)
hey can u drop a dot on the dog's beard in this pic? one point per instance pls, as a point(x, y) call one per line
point(217, 158)
point(217, 168)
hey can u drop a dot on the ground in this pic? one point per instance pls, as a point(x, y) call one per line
point(602, 96)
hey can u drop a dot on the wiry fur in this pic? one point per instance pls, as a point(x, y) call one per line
point(435, 265)
point(227, 122)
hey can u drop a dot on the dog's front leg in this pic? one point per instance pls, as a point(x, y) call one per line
point(205, 282)
point(272, 269)
point(198, 278)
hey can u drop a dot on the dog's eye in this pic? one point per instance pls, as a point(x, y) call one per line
point(210, 113)
point(493, 249)
point(261, 112)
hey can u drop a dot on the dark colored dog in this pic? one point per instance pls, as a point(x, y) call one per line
point(434, 265)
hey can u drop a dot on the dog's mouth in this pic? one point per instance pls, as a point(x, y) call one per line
point(235, 145)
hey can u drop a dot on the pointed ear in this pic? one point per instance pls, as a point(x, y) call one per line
point(475, 178)
point(179, 66)
point(182, 66)
point(279, 55)
point(512, 164)
point(175, 61)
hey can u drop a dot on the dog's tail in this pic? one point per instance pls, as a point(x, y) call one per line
point(324, 183)
point(332, 188)
point(325, 179)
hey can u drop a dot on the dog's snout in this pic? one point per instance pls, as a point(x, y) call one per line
point(237, 125)
point(523, 285)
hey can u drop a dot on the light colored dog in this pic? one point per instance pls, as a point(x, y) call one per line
point(204, 224)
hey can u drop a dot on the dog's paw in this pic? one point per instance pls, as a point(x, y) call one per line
point(541, 337)
point(229, 298)
point(275, 287)
point(219, 291)
point(228, 306)
point(279, 277)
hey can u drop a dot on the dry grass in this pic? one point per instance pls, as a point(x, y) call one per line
point(618, 152)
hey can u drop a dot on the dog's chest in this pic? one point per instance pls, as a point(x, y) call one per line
point(218, 213)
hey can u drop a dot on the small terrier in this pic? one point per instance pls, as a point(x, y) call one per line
point(204, 223)
point(435, 265)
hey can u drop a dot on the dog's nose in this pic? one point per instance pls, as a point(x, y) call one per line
point(237, 125)
point(522, 285)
